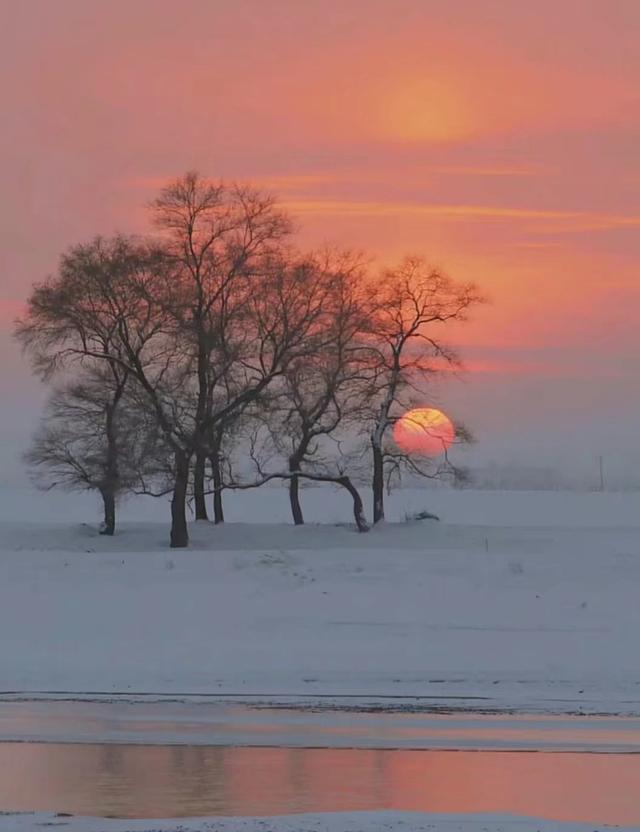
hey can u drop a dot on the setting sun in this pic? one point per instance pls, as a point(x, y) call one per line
point(424, 430)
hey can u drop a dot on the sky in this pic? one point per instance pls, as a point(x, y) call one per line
point(499, 139)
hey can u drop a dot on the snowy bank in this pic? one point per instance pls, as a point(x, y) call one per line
point(330, 822)
point(517, 601)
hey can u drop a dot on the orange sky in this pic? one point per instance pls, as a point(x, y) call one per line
point(501, 139)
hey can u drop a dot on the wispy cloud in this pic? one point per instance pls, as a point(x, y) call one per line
point(568, 221)
point(296, 181)
point(276, 182)
point(480, 170)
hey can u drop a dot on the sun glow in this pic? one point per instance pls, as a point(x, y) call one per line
point(425, 109)
point(424, 430)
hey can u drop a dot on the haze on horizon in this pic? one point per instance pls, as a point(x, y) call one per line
point(501, 139)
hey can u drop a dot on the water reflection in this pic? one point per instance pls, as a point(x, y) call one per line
point(180, 781)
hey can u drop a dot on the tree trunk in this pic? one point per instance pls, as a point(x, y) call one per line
point(109, 501)
point(294, 492)
point(179, 532)
point(358, 508)
point(294, 499)
point(218, 513)
point(110, 483)
point(199, 499)
point(378, 483)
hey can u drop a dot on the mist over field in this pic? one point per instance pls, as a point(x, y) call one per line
point(530, 432)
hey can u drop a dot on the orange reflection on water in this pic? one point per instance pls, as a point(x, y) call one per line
point(181, 781)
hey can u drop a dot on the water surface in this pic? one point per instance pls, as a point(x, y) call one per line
point(181, 759)
point(179, 781)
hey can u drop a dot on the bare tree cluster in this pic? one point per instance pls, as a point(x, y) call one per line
point(216, 355)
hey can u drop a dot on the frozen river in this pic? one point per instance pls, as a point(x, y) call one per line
point(179, 760)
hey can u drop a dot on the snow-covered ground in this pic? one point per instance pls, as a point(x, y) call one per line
point(513, 600)
point(516, 601)
point(329, 822)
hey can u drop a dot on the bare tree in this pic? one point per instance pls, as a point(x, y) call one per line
point(91, 439)
point(322, 392)
point(218, 320)
point(262, 476)
point(201, 344)
point(413, 304)
point(217, 240)
point(106, 306)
